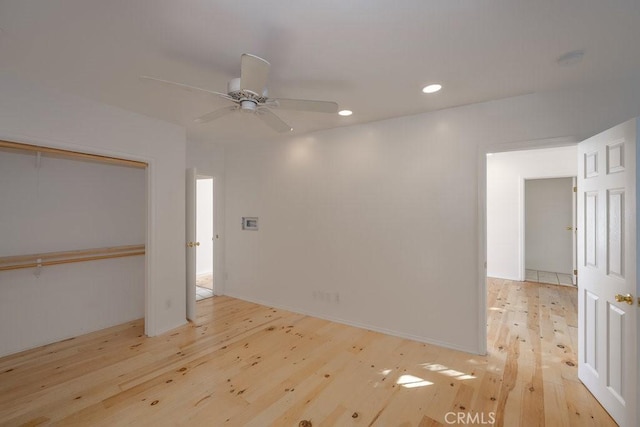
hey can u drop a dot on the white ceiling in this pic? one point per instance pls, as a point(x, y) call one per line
point(371, 56)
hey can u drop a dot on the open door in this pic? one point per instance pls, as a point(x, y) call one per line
point(191, 200)
point(607, 300)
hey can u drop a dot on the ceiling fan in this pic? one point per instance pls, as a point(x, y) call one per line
point(249, 94)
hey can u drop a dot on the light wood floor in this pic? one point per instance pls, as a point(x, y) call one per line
point(243, 364)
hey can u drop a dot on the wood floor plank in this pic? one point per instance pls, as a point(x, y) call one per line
point(243, 364)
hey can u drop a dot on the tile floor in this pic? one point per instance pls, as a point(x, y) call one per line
point(202, 293)
point(205, 280)
point(548, 277)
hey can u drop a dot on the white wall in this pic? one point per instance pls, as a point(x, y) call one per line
point(204, 226)
point(386, 214)
point(506, 173)
point(33, 114)
point(208, 159)
point(548, 206)
point(68, 204)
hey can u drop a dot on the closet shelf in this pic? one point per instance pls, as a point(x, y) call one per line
point(66, 257)
point(18, 146)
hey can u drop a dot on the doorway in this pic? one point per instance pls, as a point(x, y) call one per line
point(606, 339)
point(205, 236)
point(549, 230)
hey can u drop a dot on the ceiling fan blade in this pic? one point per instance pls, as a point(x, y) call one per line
point(273, 121)
point(253, 73)
point(215, 114)
point(188, 87)
point(307, 105)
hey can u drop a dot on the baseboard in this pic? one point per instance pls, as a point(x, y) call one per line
point(502, 277)
point(360, 325)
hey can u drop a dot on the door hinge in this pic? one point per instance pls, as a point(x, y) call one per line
point(575, 272)
point(575, 189)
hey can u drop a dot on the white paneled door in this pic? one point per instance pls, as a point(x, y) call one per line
point(607, 300)
point(190, 221)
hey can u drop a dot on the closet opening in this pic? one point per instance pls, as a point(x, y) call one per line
point(73, 247)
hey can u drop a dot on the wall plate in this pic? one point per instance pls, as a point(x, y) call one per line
point(250, 223)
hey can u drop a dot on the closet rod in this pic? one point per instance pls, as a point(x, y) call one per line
point(72, 154)
point(55, 258)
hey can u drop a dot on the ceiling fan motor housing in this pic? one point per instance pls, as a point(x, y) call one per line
point(247, 99)
point(248, 106)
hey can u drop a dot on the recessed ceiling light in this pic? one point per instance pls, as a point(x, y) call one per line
point(433, 88)
point(345, 113)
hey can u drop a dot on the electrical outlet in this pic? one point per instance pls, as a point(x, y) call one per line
point(326, 296)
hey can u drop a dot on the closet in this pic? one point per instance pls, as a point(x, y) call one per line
point(72, 244)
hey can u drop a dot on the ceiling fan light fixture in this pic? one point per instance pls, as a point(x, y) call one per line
point(345, 113)
point(432, 88)
point(248, 106)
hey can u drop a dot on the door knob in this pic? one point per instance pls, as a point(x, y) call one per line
point(625, 298)
point(197, 243)
point(190, 244)
point(569, 228)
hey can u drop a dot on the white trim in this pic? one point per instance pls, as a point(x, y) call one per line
point(521, 230)
point(218, 230)
point(354, 324)
point(150, 317)
point(65, 145)
point(637, 160)
point(562, 141)
point(482, 251)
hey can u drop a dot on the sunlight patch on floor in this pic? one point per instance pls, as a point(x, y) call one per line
point(445, 370)
point(409, 381)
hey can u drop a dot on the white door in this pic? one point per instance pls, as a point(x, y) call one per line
point(607, 300)
point(191, 200)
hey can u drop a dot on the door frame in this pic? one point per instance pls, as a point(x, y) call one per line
point(214, 228)
point(216, 261)
point(638, 254)
point(482, 217)
point(191, 213)
point(150, 308)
